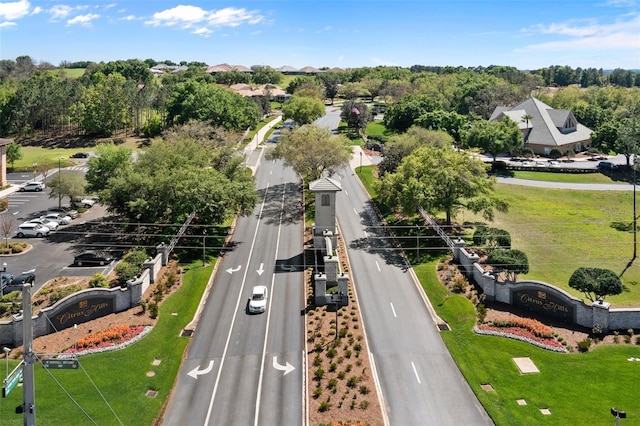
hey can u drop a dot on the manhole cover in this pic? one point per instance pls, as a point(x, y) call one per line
point(156, 362)
point(545, 411)
point(186, 333)
point(444, 327)
point(150, 373)
point(521, 401)
point(152, 393)
point(487, 387)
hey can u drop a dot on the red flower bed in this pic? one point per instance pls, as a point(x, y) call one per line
point(524, 329)
point(107, 338)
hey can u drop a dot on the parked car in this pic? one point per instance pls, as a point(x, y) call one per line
point(46, 222)
point(92, 257)
point(258, 301)
point(85, 202)
point(20, 280)
point(80, 155)
point(64, 211)
point(32, 186)
point(57, 217)
point(5, 278)
point(607, 165)
point(29, 229)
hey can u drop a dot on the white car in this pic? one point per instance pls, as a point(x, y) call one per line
point(57, 217)
point(29, 229)
point(32, 186)
point(258, 300)
point(46, 222)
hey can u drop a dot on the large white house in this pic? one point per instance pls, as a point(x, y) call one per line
point(545, 128)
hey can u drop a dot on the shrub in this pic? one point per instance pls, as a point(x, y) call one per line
point(317, 392)
point(481, 312)
point(364, 390)
point(318, 374)
point(153, 310)
point(99, 280)
point(364, 405)
point(317, 360)
point(324, 406)
point(638, 340)
point(60, 293)
point(583, 345)
point(352, 382)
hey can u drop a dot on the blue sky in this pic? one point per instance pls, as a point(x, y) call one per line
point(346, 33)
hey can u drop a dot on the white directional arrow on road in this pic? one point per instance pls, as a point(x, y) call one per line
point(261, 270)
point(288, 368)
point(232, 270)
point(197, 372)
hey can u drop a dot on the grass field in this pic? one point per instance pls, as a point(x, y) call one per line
point(110, 388)
point(578, 388)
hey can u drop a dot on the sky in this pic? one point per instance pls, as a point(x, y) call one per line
point(324, 33)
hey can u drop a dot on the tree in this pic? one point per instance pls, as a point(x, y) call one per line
point(171, 180)
point(595, 283)
point(356, 115)
point(440, 180)
point(628, 141)
point(202, 101)
point(494, 137)
point(509, 261)
point(403, 114)
point(303, 110)
point(311, 151)
point(491, 238)
point(8, 223)
point(68, 184)
point(266, 75)
point(14, 153)
point(111, 161)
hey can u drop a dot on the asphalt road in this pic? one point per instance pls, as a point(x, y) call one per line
point(246, 369)
point(419, 381)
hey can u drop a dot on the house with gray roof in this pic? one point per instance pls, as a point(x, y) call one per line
point(545, 128)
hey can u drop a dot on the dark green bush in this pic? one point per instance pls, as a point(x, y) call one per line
point(584, 345)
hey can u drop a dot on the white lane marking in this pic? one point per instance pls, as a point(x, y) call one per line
point(355, 211)
point(393, 310)
point(365, 234)
point(416, 372)
point(346, 192)
point(378, 266)
point(238, 301)
point(266, 331)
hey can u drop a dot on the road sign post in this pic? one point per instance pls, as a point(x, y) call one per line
point(12, 380)
point(60, 364)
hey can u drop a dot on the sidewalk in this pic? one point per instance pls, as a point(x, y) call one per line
point(361, 158)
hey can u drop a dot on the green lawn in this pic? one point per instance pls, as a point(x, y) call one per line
point(566, 177)
point(43, 156)
point(120, 376)
point(578, 388)
point(561, 230)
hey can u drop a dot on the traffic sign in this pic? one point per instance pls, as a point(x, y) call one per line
point(64, 364)
point(12, 381)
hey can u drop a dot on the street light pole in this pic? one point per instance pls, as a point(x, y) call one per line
point(28, 356)
point(6, 355)
point(204, 248)
point(360, 162)
point(59, 180)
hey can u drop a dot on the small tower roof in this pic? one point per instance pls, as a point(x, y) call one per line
point(325, 185)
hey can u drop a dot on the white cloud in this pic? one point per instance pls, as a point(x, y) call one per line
point(60, 11)
point(589, 35)
point(14, 10)
point(189, 16)
point(7, 24)
point(203, 31)
point(84, 20)
point(128, 18)
point(326, 28)
point(232, 17)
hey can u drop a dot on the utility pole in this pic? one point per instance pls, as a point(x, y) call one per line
point(28, 383)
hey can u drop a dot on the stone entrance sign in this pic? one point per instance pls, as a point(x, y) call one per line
point(544, 302)
point(81, 311)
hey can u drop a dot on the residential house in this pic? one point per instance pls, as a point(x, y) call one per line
point(545, 128)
